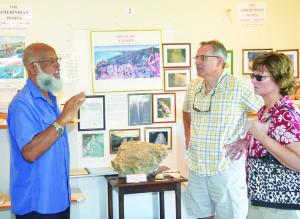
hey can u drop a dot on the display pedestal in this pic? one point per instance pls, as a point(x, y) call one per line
point(152, 185)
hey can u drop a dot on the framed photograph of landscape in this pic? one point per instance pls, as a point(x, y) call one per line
point(294, 56)
point(177, 55)
point(229, 63)
point(92, 114)
point(140, 109)
point(164, 107)
point(159, 135)
point(120, 136)
point(177, 79)
point(129, 60)
point(248, 56)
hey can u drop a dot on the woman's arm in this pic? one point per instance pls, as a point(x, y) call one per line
point(288, 155)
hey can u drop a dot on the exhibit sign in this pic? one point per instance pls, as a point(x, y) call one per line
point(253, 13)
point(136, 178)
point(126, 61)
point(15, 16)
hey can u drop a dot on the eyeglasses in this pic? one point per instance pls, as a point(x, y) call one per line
point(203, 58)
point(209, 106)
point(258, 77)
point(50, 61)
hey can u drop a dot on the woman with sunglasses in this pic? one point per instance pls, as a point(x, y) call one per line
point(275, 134)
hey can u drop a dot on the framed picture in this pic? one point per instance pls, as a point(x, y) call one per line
point(229, 63)
point(11, 66)
point(92, 114)
point(296, 96)
point(126, 60)
point(164, 107)
point(294, 56)
point(177, 55)
point(177, 79)
point(159, 135)
point(139, 109)
point(120, 136)
point(248, 56)
point(93, 145)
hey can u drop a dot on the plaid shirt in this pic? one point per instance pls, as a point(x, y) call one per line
point(221, 122)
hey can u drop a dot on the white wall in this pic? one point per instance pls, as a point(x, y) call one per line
point(59, 23)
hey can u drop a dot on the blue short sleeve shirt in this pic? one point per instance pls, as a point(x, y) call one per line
point(41, 186)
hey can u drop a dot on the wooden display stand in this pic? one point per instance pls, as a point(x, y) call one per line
point(152, 185)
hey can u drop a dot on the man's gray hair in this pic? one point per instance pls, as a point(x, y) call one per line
point(27, 56)
point(219, 49)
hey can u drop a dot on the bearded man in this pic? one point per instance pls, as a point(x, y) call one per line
point(40, 157)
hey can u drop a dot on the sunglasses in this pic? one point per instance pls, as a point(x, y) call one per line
point(258, 77)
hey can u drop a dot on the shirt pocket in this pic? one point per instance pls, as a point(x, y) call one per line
point(47, 119)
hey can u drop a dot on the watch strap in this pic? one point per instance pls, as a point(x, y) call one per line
point(59, 128)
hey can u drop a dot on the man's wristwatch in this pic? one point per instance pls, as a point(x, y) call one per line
point(59, 129)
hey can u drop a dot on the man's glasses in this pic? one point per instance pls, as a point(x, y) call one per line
point(203, 58)
point(50, 61)
point(203, 110)
point(258, 77)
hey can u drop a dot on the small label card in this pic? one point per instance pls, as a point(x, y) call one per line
point(136, 178)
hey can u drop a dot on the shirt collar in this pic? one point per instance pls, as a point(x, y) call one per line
point(35, 91)
point(281, 102)
point(220, 83)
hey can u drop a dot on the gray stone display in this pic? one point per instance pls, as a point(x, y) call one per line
point(136, 157)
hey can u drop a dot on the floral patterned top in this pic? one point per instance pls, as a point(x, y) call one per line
point(284, 127)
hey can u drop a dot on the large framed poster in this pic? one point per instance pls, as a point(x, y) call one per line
point(126, 60)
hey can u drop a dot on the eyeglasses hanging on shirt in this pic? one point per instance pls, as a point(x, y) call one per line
point(204, 101)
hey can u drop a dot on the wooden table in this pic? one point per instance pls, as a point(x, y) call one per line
point(120, 185)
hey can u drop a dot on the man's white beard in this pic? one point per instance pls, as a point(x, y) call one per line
point(48, 83)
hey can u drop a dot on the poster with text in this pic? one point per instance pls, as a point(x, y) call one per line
point(126, 60)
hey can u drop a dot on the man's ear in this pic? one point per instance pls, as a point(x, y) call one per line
point(32, 69)
point(220, 61)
